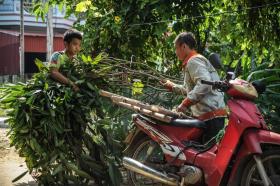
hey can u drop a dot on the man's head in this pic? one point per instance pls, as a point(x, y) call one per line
point(72, 41)
point(184, 43)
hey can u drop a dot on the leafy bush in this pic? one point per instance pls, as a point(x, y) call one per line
point(63, 135)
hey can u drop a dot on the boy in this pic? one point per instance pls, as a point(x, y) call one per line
point(72, 42)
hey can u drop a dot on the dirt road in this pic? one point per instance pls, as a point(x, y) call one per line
point(11, 165)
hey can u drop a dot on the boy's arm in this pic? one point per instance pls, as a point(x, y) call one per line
point(56, 75)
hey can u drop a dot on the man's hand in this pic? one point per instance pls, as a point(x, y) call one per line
point(167, 84)
point(184, 105)
point(181, 108)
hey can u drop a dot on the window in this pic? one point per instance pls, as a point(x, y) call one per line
point(27, 5)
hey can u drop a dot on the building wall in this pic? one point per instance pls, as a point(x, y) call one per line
point(39, 44)
point(7, 6)
point(35, 45)
point(10, 17)
point(9, 54)
point(35, 35)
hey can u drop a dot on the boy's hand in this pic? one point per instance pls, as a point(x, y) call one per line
point(75, 87)
point(167, 84)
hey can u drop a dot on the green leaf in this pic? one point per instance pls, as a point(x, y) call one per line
point(94, 164)
point(84, 58)
point(137, 87)
point(53, 158)
point(98, 58)
point(24, 131)
point(35, 145)
point(91, 86)
point(261, 72)
point(46, 7)
point(58, 169)
point(52, 113)
point(83, 6)
point(79, 172)
point(114, 174)
point(19, 177)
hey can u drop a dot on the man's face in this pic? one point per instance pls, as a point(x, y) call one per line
point(181, 51)
point(74, 46)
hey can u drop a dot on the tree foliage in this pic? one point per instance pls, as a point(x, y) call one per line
point(144, 30)
point(245, 33)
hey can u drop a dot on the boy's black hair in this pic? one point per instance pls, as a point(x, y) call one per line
point(187, 38)
point(71, 34)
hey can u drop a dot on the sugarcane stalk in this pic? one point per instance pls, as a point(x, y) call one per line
point(143, 105)
point(147, 112)
point(117, 98)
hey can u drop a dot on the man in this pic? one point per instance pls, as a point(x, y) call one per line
point(204, 103)
point(72, 42)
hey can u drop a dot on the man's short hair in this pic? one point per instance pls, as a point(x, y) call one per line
point(187, 38)
point(71, 34)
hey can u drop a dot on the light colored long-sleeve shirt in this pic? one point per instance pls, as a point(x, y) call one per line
point(205, 98)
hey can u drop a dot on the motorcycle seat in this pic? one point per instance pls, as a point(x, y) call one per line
point(192, 123)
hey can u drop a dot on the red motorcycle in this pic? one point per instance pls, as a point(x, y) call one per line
point(248, 153)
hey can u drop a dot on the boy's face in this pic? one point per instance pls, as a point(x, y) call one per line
point(74, 46)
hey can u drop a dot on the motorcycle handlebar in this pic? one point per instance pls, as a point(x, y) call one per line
point(207, 82)
point(221, 85)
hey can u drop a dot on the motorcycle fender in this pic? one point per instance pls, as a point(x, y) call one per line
point(253, 141)
point(254, 138)
point(134, 135)
point(269, 137)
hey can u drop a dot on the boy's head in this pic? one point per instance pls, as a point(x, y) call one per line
point(184, 44)
point(72, 41)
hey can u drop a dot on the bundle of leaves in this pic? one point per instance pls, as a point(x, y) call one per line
point(63, 135)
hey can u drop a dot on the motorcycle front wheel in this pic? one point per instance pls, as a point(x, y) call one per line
point(271, 162)
point(140, 153)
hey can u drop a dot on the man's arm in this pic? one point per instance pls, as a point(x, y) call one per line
point(198, 71)
point(173, 87)
point(179, 89)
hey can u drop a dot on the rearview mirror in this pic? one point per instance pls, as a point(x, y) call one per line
point(230, 76)
point(215, 60)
